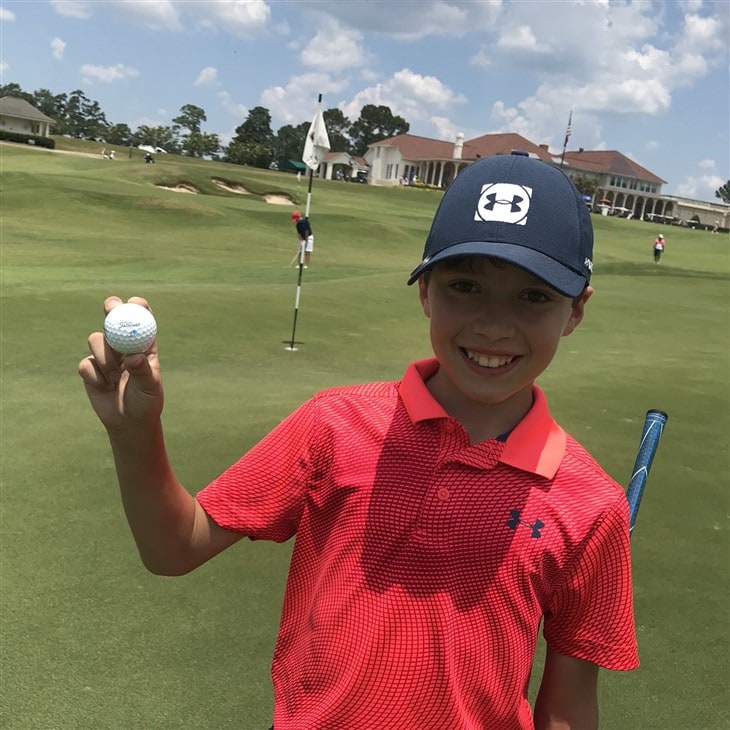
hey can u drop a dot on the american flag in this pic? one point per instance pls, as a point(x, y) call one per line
point(568, 130)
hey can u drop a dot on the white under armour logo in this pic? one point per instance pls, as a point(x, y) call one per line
point(504, 202)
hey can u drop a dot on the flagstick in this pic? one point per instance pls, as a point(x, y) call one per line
point(311, 175)
point(302, 245)
point(299, 290)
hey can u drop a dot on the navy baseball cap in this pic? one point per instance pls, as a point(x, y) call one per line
point(519, 210)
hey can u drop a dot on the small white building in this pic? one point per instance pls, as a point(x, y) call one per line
point(20, 117)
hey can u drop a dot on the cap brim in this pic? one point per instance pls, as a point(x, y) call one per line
point(566, 281)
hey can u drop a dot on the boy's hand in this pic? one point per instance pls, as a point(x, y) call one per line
point(124, 390)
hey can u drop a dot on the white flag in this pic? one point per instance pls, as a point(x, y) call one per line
point(317, 144)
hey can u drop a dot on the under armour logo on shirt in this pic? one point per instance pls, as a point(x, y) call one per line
point(516, 520)
point(503, 202)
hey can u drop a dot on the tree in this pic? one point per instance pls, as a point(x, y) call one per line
point(248, 153)
point(289, 142)
point(375, 123)
point(164, 137)
point(14, 89)
point(52, 105)
point(254, 140)
point(585, 185)
point(82, 117)
point(200, 144)
point(256, 127)
point(724, 192)
point(190, 117)
point(119, 134)
point(338, 130)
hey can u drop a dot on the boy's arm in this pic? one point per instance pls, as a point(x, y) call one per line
point(568, 695)
point(172, 531)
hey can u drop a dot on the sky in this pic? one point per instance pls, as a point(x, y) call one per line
point(649, 79)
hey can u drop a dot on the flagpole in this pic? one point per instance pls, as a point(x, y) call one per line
point(567, 137)
point(311, 173)
point(299, 291)
point(314, 142)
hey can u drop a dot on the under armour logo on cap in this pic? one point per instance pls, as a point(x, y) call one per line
point(504, 203)
point(485, 211)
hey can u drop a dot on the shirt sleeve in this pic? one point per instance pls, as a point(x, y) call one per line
point(262, 495)
point(591, 615)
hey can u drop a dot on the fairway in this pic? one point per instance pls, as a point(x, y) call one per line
point(91, 640)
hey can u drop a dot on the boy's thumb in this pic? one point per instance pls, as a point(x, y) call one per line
point(139, 369)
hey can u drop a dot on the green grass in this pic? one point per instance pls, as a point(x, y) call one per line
point(89, 640)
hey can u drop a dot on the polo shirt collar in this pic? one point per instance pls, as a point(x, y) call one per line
point(536, 444)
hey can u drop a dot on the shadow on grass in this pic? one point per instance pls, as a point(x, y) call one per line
point(651, 269)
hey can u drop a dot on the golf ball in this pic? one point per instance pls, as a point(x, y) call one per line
point(130, 328)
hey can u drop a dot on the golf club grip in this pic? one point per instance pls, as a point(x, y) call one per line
point(651, 433)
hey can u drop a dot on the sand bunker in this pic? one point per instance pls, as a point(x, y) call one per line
point(229, 186)
point(181, 188)
point(278, 199)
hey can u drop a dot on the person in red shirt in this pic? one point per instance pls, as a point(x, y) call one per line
point(658, 248)
point(306, 238)
point(440, 520)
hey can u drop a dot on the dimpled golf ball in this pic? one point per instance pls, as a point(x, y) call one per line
point(130, 328)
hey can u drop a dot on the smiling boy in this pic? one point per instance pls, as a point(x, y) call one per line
point(440, 520)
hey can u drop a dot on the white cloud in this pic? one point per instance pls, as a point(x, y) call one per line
point(334, 48)
point(521, 38)
point(445, 128)
point(706, 164)
point(702, 34)
point(108, 74)
point(410, 21)
point(207, 77)
point(231, 106)
point(630, 64)
point(3, 67)
point(414, 97)
point(57, 48)
point(152, 14)
point(242, 18)
point(295, 102)
point(72, 8)
point(702, 187)
point(6, 16)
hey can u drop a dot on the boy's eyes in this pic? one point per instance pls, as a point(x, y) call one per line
point(533, 296)
point(536, 296)
point(463, 286)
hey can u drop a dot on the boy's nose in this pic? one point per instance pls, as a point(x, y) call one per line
point(494, 321)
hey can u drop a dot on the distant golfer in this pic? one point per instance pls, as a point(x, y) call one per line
point(658, 247)
point(306, 238)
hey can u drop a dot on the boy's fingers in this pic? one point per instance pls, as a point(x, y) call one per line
point(110, 303)
point(115, 301)
point(142, 369)
point(92, 376)
point(107, 360)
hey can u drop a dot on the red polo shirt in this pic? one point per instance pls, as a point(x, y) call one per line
point(423, 565)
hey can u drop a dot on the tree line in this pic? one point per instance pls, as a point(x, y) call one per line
point(254, 142)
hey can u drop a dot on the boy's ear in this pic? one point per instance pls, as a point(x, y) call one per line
point(423, 295)
point(578, 310)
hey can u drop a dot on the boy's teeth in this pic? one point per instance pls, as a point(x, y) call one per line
point(489, 361)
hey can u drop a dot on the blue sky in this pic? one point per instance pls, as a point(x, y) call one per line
point(649, 79)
